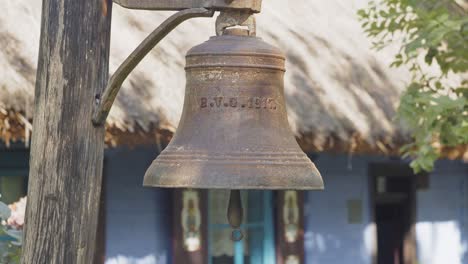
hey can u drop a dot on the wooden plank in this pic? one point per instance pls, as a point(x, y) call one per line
point(67, 150)
point(180, 253)
point(100, 251)
point(14, 159)
point(14, 163)
point(13, 172)
point(252, 5)
point(257, 232)
point(289, 250)
point(268, 228)
point(160, 4)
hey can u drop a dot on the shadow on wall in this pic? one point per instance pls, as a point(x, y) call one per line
point(329, 237)
point(137, 217)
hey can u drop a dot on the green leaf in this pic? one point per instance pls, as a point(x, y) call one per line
point(431, 109)
point(362, 13)
point(431, 53)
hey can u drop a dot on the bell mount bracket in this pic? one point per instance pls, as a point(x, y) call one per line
point(233, 13)
point(253, 6)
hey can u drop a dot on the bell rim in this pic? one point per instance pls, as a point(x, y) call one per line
point(247, 188)
point(233, 176)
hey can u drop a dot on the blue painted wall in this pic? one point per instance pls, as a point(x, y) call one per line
point(138, 220)
point(442, 213)
point(329, 239)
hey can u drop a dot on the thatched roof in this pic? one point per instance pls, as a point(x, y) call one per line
point(341, 95)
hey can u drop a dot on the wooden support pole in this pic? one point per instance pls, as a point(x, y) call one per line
point(67, 150)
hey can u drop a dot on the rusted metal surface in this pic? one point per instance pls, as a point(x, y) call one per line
point(104, 103)
point(253, 6)
point(234, 132)
point(231, 18)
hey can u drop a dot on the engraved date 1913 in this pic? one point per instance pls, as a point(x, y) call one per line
point(238, 102)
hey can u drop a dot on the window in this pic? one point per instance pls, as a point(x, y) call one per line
point(13, 178)
point(258, 245)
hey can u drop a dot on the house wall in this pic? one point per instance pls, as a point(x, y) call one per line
point(442, 213)
point(329, 238)
point(441, 230)
point(137, 218)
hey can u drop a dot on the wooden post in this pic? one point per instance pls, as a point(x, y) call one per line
point(67, 150)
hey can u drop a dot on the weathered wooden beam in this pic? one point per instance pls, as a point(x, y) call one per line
point(67, 150)
point(160, 4)
point(218, 5)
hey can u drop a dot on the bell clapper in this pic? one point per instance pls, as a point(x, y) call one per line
point(235, 214)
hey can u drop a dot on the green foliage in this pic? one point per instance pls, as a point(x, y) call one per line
point(431, 33)
point(9, 253)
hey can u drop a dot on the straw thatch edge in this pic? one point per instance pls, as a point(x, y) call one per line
point(14, 128)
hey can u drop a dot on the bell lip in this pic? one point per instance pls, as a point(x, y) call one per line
point(270, 172)
point(247, 188)
point(309, 181)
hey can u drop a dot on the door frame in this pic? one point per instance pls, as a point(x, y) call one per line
point(277, 249)
point(393, 169)
point(179, 253)
point(285, 249)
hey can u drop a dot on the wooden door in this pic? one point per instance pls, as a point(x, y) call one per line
point(393, 195)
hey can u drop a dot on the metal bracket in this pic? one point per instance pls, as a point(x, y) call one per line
point(253, 6)
point(105, 102)
point(233, 13)
point(231, 18)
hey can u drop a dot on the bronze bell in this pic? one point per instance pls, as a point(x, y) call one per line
point(234, 132)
